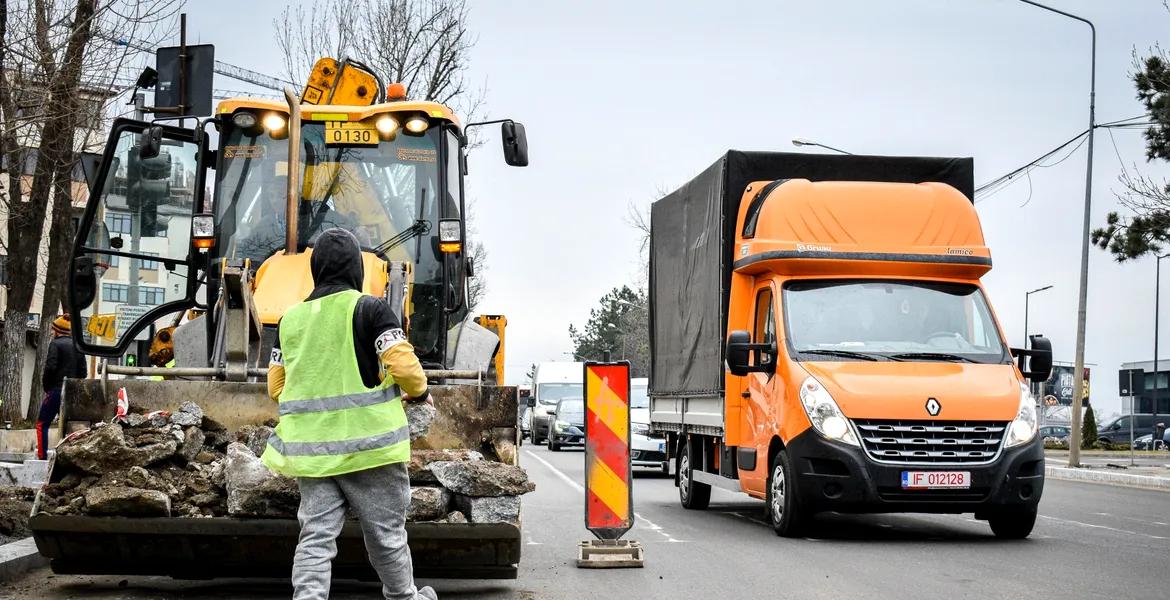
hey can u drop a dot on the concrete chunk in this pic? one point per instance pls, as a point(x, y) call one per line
point(255, 491)
point(127, 502)
point(193, 440)
point(502, 509)
point(428, 503)
point(257, 439)
point(105, 450)
point(419, 415)
point(420, 461)
point(482, 478)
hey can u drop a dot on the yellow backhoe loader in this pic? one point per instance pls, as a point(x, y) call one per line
point(206, 234)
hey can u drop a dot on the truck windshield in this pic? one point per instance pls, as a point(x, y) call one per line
point(550, 393)
point(898, 320)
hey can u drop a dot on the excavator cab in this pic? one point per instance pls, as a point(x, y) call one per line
point(200, 242)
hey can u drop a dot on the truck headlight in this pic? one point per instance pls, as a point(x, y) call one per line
point(560, 426)
point(824, 414)
point(1025, 425)
point(640, 428)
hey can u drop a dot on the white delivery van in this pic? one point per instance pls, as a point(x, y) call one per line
point(550, 382)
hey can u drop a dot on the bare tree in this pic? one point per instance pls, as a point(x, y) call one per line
point(50, 59)
point(423, 44)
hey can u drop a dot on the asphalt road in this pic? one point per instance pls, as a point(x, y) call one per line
point(1092, 541)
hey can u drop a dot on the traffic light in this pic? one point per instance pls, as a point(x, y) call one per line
point(148, 183)
point(131, 360)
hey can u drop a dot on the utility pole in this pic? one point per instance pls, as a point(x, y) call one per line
point(1074, 451)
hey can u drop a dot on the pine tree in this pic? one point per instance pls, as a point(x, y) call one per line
point(1088, 429)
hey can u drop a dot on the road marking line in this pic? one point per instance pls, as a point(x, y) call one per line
point(1143, 522)
point(641, 521)
point(1094, 526)
point(557, 472)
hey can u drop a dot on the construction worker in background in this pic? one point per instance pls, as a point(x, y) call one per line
point(62, 360)
point(338, 370)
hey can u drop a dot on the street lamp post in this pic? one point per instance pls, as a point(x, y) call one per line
point(1157, 289)
point(1026, 338)
point(798, 142)
point(1074, 450)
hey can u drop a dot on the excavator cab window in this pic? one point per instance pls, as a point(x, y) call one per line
point(132, 263)
point(390, 195)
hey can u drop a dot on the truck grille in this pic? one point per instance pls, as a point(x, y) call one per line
point(940, 442)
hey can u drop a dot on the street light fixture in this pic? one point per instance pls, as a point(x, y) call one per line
point(1026, 295)
point(1028, 339)
point(1074, 446)
point(798, 142)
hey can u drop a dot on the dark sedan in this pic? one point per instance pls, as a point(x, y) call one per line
point(568, 424)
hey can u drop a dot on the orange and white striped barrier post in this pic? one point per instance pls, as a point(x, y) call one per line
point(609, 500)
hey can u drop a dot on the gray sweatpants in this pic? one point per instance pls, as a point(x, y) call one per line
point(379, 498)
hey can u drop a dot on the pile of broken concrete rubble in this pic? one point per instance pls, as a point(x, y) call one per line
point(185, 464)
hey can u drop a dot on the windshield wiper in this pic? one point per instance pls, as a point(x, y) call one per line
point(841, 353)
point(419, 228)
point(933, 356)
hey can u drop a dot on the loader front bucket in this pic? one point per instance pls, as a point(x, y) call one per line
point(472, 417)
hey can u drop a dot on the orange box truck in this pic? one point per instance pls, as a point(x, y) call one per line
point(820, 339)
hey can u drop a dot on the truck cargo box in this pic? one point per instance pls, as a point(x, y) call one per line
point(691, 239)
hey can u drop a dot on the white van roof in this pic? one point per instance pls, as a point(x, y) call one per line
point(551, 372)
point(640, 381)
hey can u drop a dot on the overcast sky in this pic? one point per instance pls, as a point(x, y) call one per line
point(621, 99)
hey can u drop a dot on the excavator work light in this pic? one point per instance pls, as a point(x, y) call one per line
point(387, 125)
point(244, 120)
point(417, 124)
point(274, 122)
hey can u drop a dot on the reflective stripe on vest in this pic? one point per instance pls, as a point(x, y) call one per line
point(330, 422)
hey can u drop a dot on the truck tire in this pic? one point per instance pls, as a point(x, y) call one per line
point(787, 516)
point(1013, 524)
point(692, 494)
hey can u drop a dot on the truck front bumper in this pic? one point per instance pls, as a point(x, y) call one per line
point(840, 478)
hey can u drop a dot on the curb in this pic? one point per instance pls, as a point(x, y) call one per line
point(18, 558)
point(1108, 477)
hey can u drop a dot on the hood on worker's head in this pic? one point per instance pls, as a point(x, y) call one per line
point(337, 260)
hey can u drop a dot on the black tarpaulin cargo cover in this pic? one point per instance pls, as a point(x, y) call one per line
point(691, 236)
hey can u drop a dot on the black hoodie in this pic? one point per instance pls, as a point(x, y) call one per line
point(336, 266)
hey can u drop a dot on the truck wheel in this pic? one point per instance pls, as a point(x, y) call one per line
point(1013, 525)
point(787, 516)
point(692, 494)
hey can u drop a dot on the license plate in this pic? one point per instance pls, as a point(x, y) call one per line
point(345, 133)
point(661, 446)
point(935, 480)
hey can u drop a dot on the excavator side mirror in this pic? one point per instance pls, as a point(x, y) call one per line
point(515, 144)
point(150, 142)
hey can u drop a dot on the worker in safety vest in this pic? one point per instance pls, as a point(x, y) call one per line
point(340, 369)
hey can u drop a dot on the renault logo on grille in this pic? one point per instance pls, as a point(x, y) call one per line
point(932, 407)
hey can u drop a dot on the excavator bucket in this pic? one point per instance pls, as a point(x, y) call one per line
point(482, 418)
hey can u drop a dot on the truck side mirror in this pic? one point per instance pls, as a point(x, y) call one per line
point(150, 142)
point(739, 352)
point(1035, 362)
point(531, 402)
point(515, 144)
